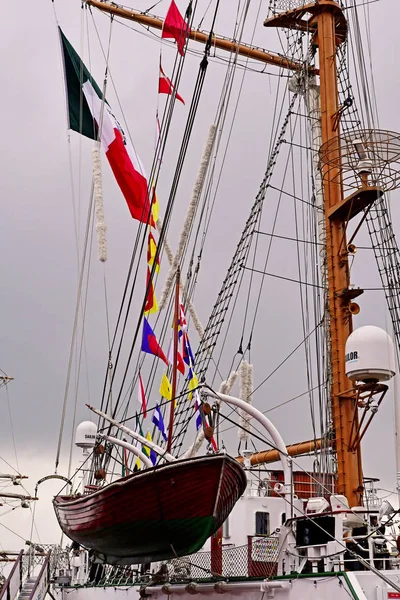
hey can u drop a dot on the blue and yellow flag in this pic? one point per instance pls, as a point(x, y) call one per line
point(193, 382)
point(148, 451)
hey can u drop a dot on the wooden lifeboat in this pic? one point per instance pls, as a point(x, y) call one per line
point(157, 514)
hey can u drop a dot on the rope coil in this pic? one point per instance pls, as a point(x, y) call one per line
point(101, 228)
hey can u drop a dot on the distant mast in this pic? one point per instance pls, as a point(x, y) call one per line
point(4, 379)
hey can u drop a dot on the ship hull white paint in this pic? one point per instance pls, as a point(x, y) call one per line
point(360, 585)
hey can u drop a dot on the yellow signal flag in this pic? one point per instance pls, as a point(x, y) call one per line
point(146, 449)
point(166, 388)
point(151, 252)
point(151, 305)
point(155, 207)
point(193, 383)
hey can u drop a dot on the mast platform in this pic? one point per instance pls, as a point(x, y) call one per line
point(294, 19)
point(351, 206)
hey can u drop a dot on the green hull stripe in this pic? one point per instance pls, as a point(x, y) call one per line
point(186, 536)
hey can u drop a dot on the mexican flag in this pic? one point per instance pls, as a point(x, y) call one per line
point(86, 110)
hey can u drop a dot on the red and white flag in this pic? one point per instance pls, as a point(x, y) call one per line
point(176, 27)
point(165, 86)
point(124, 162)
point(142, 397)
point(180, 365)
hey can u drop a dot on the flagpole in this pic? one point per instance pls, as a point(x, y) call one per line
point(175, 362)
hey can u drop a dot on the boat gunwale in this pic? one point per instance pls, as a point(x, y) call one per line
point(124, 480)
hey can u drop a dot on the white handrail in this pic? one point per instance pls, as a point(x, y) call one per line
point(145, 459)
point(133, 434)
point(266, 423)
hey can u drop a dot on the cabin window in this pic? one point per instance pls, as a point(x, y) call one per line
point(225, 529)
point(262, 523)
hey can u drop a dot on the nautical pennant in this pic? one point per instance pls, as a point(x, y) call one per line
point(176, 27)
point(182, 323)
point(165, 388)
point(151, 305)
point(193, 382)
point(150, 343)
point(141, 396)
point(180, 364)
point(158, 421)
point(197, 410)
point(187, 351)
point(155, 208)
point(138, 462)
point(148, 451)
point(151, 252)
point(165, 86)
point(125, 470)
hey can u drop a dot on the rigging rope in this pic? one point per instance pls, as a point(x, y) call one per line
point(235, 272)
point(12, 427)
point(174, 187)
point(153, 177)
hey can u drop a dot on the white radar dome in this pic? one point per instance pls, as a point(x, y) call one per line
point(85, 436)
point(369, 355)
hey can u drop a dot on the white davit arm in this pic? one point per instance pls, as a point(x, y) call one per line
point(266, 423)
point(145, 459)
point(133, 434)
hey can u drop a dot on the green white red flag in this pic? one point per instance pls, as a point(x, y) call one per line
point(86, 110)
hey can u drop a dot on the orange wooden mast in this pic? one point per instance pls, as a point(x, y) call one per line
point(329, 27)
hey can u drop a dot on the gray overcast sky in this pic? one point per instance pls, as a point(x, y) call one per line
point(37, 246)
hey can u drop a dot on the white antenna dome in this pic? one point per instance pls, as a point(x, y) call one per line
point(369, 355)
point(85, 436)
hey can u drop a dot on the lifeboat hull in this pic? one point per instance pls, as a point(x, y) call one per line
point(156, 514)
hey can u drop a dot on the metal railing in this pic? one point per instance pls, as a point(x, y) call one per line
point(13, 583)
point(37, 555)
point(42, 582)
point(258, 558)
